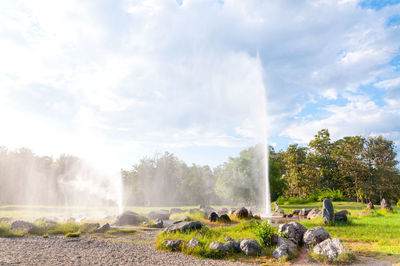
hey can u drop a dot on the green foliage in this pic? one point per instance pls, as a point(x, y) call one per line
point(5, 231)
point(73, 234)
point(398, 203)
point(263, 232)
point(332, 194)
point(316, 196)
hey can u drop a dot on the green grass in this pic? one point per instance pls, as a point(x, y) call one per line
point(207, 235)
point(5, 231)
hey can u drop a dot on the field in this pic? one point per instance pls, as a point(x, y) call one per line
point(375, 235)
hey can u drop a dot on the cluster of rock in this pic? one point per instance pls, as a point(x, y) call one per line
point(329, 215)
point(296, 235)
point(301, 213)
point(385, 205)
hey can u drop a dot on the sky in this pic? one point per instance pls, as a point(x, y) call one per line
point(113, 81)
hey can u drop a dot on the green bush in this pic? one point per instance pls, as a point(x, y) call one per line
point(75, 234)
point(319, 195)
point(263, 232)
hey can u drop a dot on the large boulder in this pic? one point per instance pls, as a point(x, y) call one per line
point(207, 210)
point(22, 225)
point(385, 205)
point(327, 211)
point(250, 247)
point(293, 230)
point(130, 218)
point(330, 248)
point(241, 213)
point(184, 226)
point(224, 218)
point(280, 252)
point(315, 236)
point(314, 213)
point(341, 216)
point(233, 245)
point(172, 244)
point(193, 242)
point(290, 243)
point(213, 217)
point(158, 223)
point(160, 214)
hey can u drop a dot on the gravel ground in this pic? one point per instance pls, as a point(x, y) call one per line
point(89, 251)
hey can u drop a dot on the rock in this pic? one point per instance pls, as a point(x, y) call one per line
point(232, 245)
point(228, 238)
point(315, 236)
point(184, 226)
point(290, 243)
point(175, 210)
point(280, 252)
point(274, 239)
point(304, 212)
point(277, 209)
point(103, 229)
point(158, 223)
point(232, 211)
point(222, 211)
point(241, 213)
point(224, 218)
point(327, 211)
point(160, 214)
point(276, 206)
point(172, 244)
point(341, 216)
point(22, 225)
point(296, 212)
point(183, 219)
point(213, 217)
point(250, 247)
point(330, 248)
point(130, 218)
point(216, 245)
point(385, 205)
point(193, 243)
point(314, 213)
point(370, 206)
point(293, 230)
point(207, 210)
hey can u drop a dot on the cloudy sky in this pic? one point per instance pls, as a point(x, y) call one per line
point(114, 81)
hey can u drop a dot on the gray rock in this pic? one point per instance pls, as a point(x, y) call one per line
point(341, 216)
point(129, 218)
point(280, 252)
point(330, 248)
point(315, 236)
point(22, 225)
point(232, 210)
point(222, 211)
point(385, 205)
point(314, 213)
point(290, 244)
point(274, 239)
point(160, 214)
point(175, 210)
point(172, 244)
point(228, 238)
point(293, 230)
point(103, 229)
point(304, 212)
point(213, 217)
point(193, 243)
point(277, 209)
point(207, 210)
point(232, 245)
point(250, 247)
point(241, 213)
point(183, 219)
point(327, 211)
point(184, 226)
point(216, 245)
point(158, 223)
point(224, 218)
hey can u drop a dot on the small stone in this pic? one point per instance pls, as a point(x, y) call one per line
point(241, 213)
point(216, 245)
point(232, 245)
point(314, 213)
point(193, 243)
point(172, 244)
point(228, 238)
point(158, 223)
point(183, 219)
point(341, 216)
point(184, 226)
point(213, 217)
point(103, 229)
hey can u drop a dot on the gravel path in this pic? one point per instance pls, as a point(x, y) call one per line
point(89, 251)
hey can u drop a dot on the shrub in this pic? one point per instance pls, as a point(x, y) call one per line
point(263, 232)
point(319, 195)
point(75, 234)
point(332, 194)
